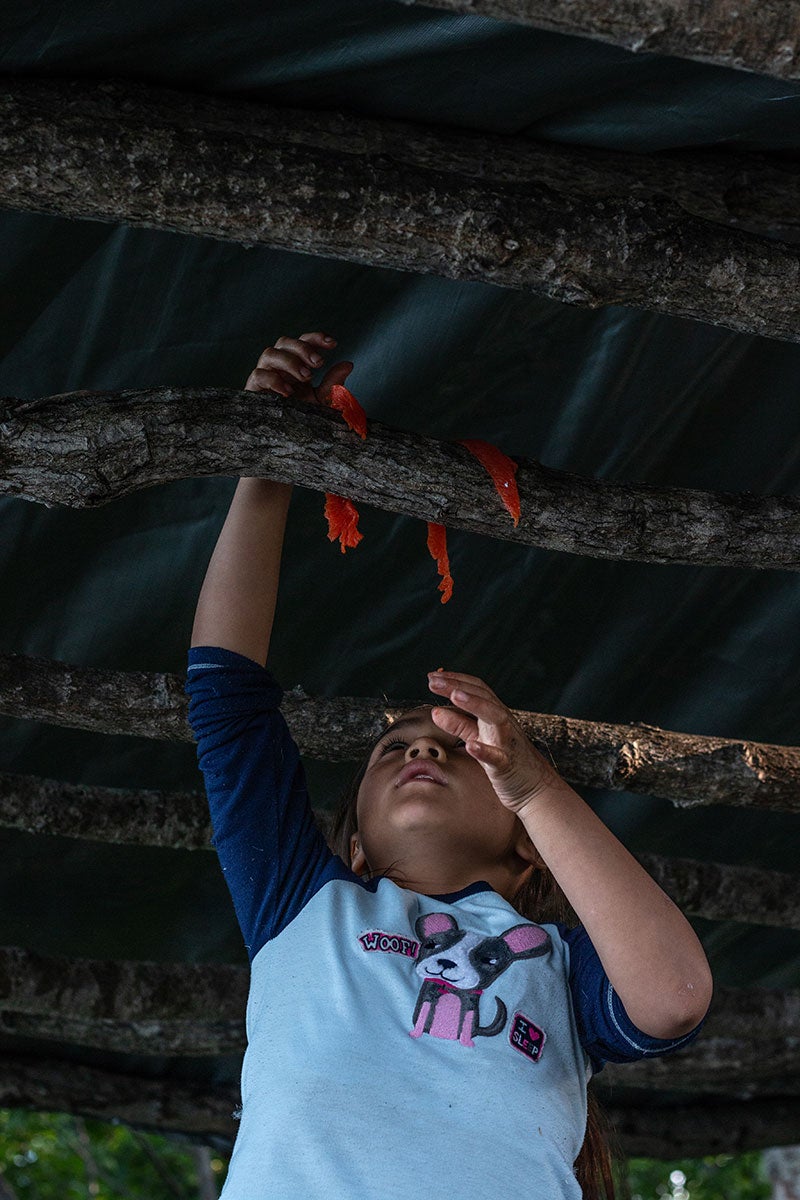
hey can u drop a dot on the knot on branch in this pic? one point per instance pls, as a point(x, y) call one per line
point(754, 759)
point(627, 763)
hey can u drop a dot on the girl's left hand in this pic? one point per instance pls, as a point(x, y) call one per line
point(516, 769)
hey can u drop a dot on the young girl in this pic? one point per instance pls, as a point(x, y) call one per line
point(421, 1019)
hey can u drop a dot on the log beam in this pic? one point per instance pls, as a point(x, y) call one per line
point(180, 821)
point(723, 892)
point(206, 1111)
point(755, 35)
point(174, 1039)
point(120, 990)
point(156, 1105)
point(86, 449)
point(690, 770)
point(679, 233)
point(705, 1127)
point(748, 1045)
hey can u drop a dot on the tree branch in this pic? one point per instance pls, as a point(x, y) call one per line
point(94, 1171)
point(204, 1111)
point(120, 990)
point(721, 892)
point(180, 821)
point(583, 226)
point(688, 769)
point(180, 1039)
point(748, 1041)
point(705, 1127)
point(761, 35)
point(153, 1105)
point(85, 449)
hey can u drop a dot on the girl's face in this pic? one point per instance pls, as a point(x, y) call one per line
point(435, 831)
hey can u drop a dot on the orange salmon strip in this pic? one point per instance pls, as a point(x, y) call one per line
point(437, 545)
point(342, 516)
point(502, 470)
point(343, 399)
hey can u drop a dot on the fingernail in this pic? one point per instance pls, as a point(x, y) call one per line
point(328, 339)
point(316, 360)
point(304, 371)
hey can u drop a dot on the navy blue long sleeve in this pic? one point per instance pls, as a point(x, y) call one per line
point(272, 853)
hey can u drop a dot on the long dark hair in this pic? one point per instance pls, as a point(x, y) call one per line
point(538, 899)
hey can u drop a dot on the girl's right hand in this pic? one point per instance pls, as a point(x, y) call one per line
point(280, 368)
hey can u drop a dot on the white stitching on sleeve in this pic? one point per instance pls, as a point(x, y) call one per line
point(630, 1041)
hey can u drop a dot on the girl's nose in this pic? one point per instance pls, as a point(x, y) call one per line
point(428, 747)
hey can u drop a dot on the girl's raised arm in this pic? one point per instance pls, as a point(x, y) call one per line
point(236, 606)
point(649, 951)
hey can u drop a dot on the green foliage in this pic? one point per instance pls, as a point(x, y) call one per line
point(728, 1176)
point(54, 1156)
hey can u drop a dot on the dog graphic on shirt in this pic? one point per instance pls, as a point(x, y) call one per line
point(455, 967)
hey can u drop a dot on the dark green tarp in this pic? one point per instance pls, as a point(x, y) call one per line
point(617, 393)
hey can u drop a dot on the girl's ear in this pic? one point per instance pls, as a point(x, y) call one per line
point(358, 861)
point(526, 849)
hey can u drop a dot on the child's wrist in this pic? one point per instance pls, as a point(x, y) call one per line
point(552, 790)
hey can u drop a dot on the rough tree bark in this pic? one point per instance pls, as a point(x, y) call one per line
point(748, 1046)
point(120, 990)
point(726, 1064)
point(692, 1130)
point(687, 769)
point(123, 816)
point(575, 243)
point(750, 35)
point(206, 1112)
point(159, 1105)
point(720, 892)
point(175, 1039)
point(180, 821)
point(585, 227)
point(85, 449)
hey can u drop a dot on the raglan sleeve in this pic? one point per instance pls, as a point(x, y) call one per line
point(272, 853)
point(606, 1032)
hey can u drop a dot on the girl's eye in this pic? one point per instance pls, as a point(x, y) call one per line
point(388, 745)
